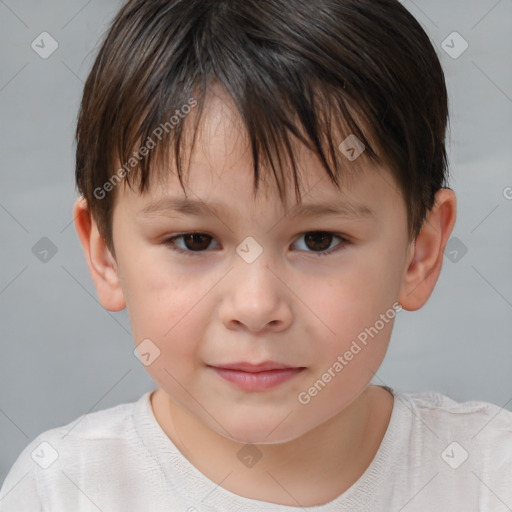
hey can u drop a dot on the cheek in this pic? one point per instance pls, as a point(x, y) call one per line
point(354, 296)
point(351, 305)
point(167, 306)
point(375, 276)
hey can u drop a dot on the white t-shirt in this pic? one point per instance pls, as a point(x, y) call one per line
point(436, 455)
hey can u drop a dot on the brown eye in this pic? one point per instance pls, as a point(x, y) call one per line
point(320, 243)
point(196, 241)
point(189, 243)
point(318, 240)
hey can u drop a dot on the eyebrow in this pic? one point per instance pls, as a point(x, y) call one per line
point(185, 206)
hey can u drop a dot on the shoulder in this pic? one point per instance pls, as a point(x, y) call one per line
point(103, 426)
point(458, 428)
point(443, 454)
point(84, 442)
point(440, 409)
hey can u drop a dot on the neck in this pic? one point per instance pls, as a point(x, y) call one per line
point(310, 470)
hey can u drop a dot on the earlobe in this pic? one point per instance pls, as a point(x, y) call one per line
point(101, 263)
point(427, 253)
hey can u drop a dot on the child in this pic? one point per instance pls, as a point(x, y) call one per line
point(262, 344)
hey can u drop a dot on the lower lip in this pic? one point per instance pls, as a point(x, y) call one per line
point(258, 381)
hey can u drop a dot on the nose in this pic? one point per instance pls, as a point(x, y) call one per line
point(256, 299)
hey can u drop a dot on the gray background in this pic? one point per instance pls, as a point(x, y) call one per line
point(63, 355)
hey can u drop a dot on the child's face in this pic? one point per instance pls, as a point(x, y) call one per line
point(292, 304)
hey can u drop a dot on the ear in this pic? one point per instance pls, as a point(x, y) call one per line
point(427, 252)
point(101, 263)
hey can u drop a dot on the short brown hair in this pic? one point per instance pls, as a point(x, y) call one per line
point(282, 62)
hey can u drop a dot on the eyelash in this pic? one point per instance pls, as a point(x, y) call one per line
point(169, 242)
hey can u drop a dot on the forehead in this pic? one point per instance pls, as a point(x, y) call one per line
point(223, 139)
point(219, 174)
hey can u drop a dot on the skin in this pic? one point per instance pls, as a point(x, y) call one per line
point(289, 305)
